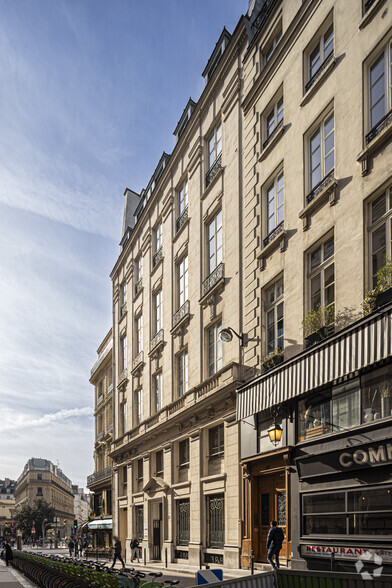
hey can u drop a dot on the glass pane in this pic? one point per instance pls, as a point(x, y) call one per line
point(329, 163)
point(315, 292)
point(377, 394)
point(328, 125)
point(270, 295)
point(329, 142)
point(314, 61)
point(346, 406)
point(377, 70)
point(324, 525)
point(328, 248)
point(328, 42)
point(370, 524)
point(319, 503)
point(314, 417)
point(280, 110)
point(375, 499)
point(315, 258)
point(377, 112)
point(270, 123)
point(279, 288)
point(378, 207)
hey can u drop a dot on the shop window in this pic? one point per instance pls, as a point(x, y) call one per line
point(351, 512)
point(376, 400)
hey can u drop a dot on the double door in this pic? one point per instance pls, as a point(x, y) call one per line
point(272, 506)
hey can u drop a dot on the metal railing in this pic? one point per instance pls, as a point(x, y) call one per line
point(318, 73)
point(156, 258)
point(181, 313)
point(99, 475)
point(182, 218)
point(384, 122)
point(212, 279)
point(272, 234)
point(320, 186)
point(138, 360)
point(273, 134)
point(155, 341)
point(215, 167)
point(369, 4)
point(138, 286)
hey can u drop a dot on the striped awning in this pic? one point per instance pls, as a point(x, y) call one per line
point(100, 524)
point(364, 343)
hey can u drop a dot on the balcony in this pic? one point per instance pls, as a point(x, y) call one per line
point(181, 314)
point(138, 361)
point(272, 234)
point(123, 310)
point(182, 219)
point(99, 476)
point(110, 388)
point(216, 276)
point(381, 125)
point(320, 186)
point(156, 258)
point(215, 167)
point(123, 376)
point(156, 342)
point(138, 286)
point(320, 70)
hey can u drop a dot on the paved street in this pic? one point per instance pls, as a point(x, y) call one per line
point(10, 578)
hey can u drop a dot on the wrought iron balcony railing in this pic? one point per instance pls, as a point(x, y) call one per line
point(273, 134)
point(138, 286)
point(318, 73)
point(320, 186)
point(212, 279)
point(369, 4)
point(138, 360)
point(272, 234)
point(156, 258)
point(99, 476)
point(155, 341)
point(384, 122)
point(216, 166)
point(182, 218)
point(182, 312)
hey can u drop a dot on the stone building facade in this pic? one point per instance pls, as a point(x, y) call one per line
point(100, 481)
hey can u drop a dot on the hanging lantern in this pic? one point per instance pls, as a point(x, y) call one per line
point(275, 433)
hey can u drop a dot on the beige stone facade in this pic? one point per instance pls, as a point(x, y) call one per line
point(42, 479)
point(100, 482)
point(7, 521)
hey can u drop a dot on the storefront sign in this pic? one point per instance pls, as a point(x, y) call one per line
point(347, 459)
point(346, 552)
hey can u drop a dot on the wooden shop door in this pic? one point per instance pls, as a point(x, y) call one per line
point(272, 507)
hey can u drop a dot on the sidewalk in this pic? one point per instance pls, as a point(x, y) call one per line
point(10, 578)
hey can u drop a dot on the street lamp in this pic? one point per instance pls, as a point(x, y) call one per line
point(226, 335)
point(275, 433)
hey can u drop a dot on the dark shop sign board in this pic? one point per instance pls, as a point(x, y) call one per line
point(345, 552)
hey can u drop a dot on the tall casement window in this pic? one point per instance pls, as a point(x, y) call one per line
point(216, 442)
point(157, 244)
point(215, 360)
point(138, 273)
point(123, 353)
point(273, 119)
point(139, 334)
point(322, 151)
point(272, 45)
point(274, 324)
point(182, 205)
point(183, 450)
point(320, 54)
point(321, 277)
point(182, 373)
point(139, 406)
point(216, 521)
point(380, 86)
point(158, 392)
point(159, 463)
point(123, 418)
point(214, 146)
point(123, 294)
point(215, 242)
point(139, 522)
point(139, 475)
point(380, 231)
point(182, 281)
point(183, 521)
point(275, 203)
point(157, 302)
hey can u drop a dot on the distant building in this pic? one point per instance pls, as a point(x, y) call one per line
point(81, 505)
point(42, 479)
point(7, 489)
point(7, 521)
point(100, 482)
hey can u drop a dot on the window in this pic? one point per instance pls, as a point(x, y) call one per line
point(215, 242)
point(321, 277)
point(123, 294)
point(320, 53)
point(139, 519)
point(125, 477)
point(321, 151)
point(140, 470)
point(159, 463)
point(183, 198)
point(274, 316)
point(214, 146)
point(352, 512)
point(158, 237)
point(182, 373)
point(138, 273)
point(123, 353)
point(157, 312)
point(123, 418)
point(183, 521)
point(216, 521)
point(183, 450)
point(139, 334)
point(214, 349)
point(39, 476)
point(273, 119)
point(216, 442)
point(139, 405)
point(275, 203)
point(380, 231)
point(39, 491)
point(182, 281)
point(271, 46)
point(380, 86)
point(158, 400)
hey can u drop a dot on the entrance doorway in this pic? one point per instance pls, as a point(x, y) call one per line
point(156, 513)
point(272, 506)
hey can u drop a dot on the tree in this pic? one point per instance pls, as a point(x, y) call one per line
point(27, 516)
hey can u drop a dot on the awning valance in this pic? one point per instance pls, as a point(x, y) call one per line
point(100, 524)
point(364, 343)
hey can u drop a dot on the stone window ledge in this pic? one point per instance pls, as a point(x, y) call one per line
point(369, 14)
point(272, 143)
point(373, 146)
point(328, 192)
point(279, 241)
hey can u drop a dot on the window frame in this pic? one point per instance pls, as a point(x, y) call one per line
point(275, 112)
point(182, 280)
point(123, 354)
point(157, 311)
point(384, 52)
point(214, 347)
point(184, 464)
point(138, 334)
point(319, 43)
point(158, 392)
point(318, 128)
point(215, 137)
point(372, 227)
point(217, 451)
point(215, 252)
point(320, 269)
point(272, 43)
point(139, 406)
point(182, 198)
point(158, 236)
point(182, 373)
point(139, 267)
point(273, 183)
point(272, 306)
point(159, 472)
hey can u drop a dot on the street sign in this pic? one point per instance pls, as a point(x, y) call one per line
point(208, 576)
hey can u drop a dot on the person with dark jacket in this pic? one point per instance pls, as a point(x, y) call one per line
point(8, 553)
point(274, 544)
point(135, 548)
point(117, 552)
point(71, 546)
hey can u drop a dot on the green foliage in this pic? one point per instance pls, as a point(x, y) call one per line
point(316, 319)
point(27, 517)
point(268, 359)
point(384, 282)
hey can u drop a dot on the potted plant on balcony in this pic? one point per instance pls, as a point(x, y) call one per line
point(316, 324)
point(273, 359)
point(382, 293)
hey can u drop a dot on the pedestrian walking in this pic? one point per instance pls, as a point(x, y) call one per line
point(76, 547)
point(71, 546)
point(8, 553)
point(135, 548)
point(117, 552)
point(274, 544)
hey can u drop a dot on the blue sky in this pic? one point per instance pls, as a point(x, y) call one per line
point(91, 92)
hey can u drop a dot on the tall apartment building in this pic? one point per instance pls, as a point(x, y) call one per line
point(100, 482)
point(42, 479)
point(316, 225)
point(7, 489)
point(176, 284)
point(81, 505)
